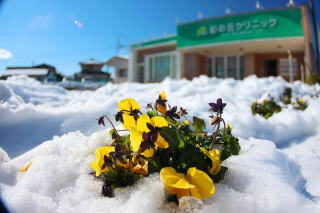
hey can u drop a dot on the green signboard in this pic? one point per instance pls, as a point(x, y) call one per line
point(259, 25)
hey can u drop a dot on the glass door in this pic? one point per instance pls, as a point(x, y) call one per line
point(219, 67)
point(232, 67)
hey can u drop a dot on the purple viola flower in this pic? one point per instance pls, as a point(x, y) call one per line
point(149, 138)
point(119, 154)
point(172, 113)
point(182, 112)
point(218, 106)
point(101, 121)
point(107, 190)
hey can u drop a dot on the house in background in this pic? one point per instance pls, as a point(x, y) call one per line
point(91, 70)
point(120, 64)
point(42, 72)
point(275, 42)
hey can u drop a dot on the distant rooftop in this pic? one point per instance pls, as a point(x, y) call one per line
point(25, 71)
point(91, 61)
point(159, 41)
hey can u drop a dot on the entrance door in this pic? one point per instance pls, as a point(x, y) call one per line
point(219, 67)
point(270, 68)
point(232, 67)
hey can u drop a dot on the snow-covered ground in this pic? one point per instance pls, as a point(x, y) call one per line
point(276, 171)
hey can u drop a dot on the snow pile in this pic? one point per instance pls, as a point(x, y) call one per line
point(277, 169)
point(48, 110)
point(260, 179)
point(58, 180)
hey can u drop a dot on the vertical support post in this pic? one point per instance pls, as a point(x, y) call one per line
point(302, 72)
point(238, 67)
point(132, 66)
point(225, 66)
point(291, 78)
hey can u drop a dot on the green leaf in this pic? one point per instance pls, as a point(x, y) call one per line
point(191, 156)
point(266, 109)
point(121, 177)
point(220, 176)
point(198, 124)
point(172, 137)
point(111, 132)
point(230, 146)
point(152, 113)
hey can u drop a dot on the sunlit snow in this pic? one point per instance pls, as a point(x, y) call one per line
point(276, 171)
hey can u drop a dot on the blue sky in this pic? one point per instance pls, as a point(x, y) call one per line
point(44, 31)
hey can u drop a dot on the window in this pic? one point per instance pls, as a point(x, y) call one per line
point(122, 73)
point(161, 66)
point(284, 65)
point(227, 66)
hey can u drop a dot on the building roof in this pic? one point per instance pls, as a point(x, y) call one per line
point(26, 71)
point(153, 42)
point(91, 61)
point(116, 58)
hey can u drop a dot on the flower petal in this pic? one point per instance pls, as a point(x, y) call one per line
point(133, 104)
point(162, 109)
point(159, 121)
point(128, 105)
point(128, 121)
point(174, 179)
point(204, 186)
point(99, 161)
point(148, 153)
point(179, 192)
point(26, 168)
point(124, 105)
point(215, 159)
point(135, 139)
point(163, 95)
point(142, 123)
point(161, 142)
point(141, 169)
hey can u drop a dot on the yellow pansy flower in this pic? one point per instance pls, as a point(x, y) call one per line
point(139, 167)
point(229, 127)
point(300, 101)
point(137, 131)
point(186, 122)
point(128, 105)
point(128, 112)
point(161, 103)
point(196, 183)
point(99, 164)
point(215, 159)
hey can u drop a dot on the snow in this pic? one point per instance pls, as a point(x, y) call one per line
point(276, 170)
point(30, 71)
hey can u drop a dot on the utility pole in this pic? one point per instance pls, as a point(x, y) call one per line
point(119, 45)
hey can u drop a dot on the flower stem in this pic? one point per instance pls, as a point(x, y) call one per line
point(111, 124)
point(217, 130)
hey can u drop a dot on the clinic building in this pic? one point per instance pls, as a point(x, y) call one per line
point(263, 43)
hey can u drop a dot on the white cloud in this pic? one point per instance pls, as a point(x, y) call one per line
point(5, 54)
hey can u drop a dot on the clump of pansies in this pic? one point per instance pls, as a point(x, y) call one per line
point(164, 140)
point(269, 106)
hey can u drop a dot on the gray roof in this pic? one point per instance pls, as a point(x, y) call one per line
point(31, 71)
